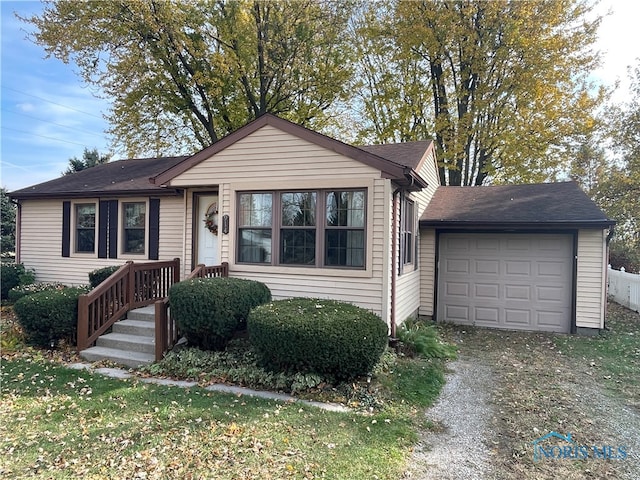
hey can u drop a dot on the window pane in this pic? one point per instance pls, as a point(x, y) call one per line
point(298, 246)
point(86, 215)
point(255, 210)
point(134, 215)
point(85, 240)
point(85, 227)
point(134, 240)
point(344, 248)
point(299, 209)
point(255, 246)
point(345, 209)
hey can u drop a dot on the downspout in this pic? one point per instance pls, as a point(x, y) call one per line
point(394, 264)
point(18, 230)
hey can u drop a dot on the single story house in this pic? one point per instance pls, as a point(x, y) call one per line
point(312, 216)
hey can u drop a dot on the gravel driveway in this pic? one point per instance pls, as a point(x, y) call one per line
point(508, 389)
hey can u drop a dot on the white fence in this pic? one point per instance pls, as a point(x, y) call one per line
point(624, 288)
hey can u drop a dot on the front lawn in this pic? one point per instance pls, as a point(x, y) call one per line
point(57, 422)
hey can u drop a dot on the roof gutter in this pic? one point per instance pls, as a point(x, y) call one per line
point(515, 226)
point(101, 194)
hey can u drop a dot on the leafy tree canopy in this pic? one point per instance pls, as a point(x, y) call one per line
point(618, 192)
point(503, 85)
point(183, 74)
point(90, 158)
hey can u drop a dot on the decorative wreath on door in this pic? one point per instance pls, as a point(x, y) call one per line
point(211, 218)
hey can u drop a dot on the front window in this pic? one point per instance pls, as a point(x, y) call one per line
point(134, 223)
point(254, 225)
point(308, 228)
point(298, 228)
point(85, 227)
point(344, 234)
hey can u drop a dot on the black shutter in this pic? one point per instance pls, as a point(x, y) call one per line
point(103, 225)
point(154, 228)
point(66, 229)
point(113, 229)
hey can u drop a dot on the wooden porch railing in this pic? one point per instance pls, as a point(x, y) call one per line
point(132, 286)
point(167, 334)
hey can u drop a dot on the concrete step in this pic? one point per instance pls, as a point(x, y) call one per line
point(147, 313)
point(141, 328)
point(129, 343)
point(130, 359)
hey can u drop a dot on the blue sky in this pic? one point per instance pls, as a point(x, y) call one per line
point(47, 115)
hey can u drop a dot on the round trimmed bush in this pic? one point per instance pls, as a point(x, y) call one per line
point(208, 311)
point(12, 275)
point(99, 275)
point(321, 336)
point(49, 316)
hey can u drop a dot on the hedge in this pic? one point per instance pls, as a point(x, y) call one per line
point(99, 275)
point(49, 316)
point(16, 293)
point(208, 311)
point(12, 275)
point(321, 336)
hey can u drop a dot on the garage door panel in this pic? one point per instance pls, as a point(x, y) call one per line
point(517, 292)
point(457, 266)
point(487, 290)
point(458, 313)
point(517, 318)
point(518, 267)
point(551, 270)
point(487, 267)
point(455, 289)
point(488, 316)
point(506, 280)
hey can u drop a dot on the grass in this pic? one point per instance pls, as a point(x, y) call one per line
point(613, 356)
point(57, 422)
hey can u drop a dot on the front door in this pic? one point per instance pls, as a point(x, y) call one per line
point(207, 228)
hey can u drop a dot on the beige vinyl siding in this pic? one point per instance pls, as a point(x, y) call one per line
point(407, 296)
point(41, 241)
point(171, 228)
point(411, 294)
point(427, 258)
point(269, 157)
point(590, 302)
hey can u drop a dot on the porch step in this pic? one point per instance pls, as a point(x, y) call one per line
point(142, 328)
point(147, 314)
point(129, 343)
point(128, 358)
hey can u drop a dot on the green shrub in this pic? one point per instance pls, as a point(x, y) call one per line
point(49, 316)
point(321, 336)
point(16, 293)
point(419, 339)
point(209, 311)
point(99, 275)
point(12, 275)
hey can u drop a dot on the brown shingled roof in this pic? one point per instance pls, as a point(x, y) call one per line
point(113, 178)
point(561, 204)
point(408, 154)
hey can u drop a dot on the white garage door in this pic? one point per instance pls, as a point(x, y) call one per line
point(514, 281)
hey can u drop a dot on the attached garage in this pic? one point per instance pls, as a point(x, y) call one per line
point(499, 280)
point(517, 257)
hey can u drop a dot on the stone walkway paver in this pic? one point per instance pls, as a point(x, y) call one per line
point(216, 387)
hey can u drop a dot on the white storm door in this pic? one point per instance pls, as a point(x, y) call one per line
point(207, 242)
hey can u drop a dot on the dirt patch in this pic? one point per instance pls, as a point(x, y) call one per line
point(538, 388)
